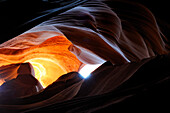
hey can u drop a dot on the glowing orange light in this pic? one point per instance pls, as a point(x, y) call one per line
point(46, 70)
point(47, 52)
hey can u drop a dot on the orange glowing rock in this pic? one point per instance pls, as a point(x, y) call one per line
point(47, 51)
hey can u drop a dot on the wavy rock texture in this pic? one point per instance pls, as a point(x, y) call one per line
point(39, 48)
point(124, 34)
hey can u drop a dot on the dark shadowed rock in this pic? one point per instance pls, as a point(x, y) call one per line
point(23, 85)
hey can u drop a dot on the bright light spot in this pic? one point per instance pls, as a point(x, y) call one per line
point(39, 70)
point(88, 69)
point(46, 70)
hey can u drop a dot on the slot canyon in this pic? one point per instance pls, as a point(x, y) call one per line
point(85, 56)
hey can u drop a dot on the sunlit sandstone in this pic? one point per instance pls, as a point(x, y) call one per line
point(47, 51)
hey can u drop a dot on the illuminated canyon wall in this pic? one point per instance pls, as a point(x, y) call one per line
point(94, 32)
point(46, 51)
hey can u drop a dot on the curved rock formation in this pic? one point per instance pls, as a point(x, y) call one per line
point(47, 51)
point(124, 35)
